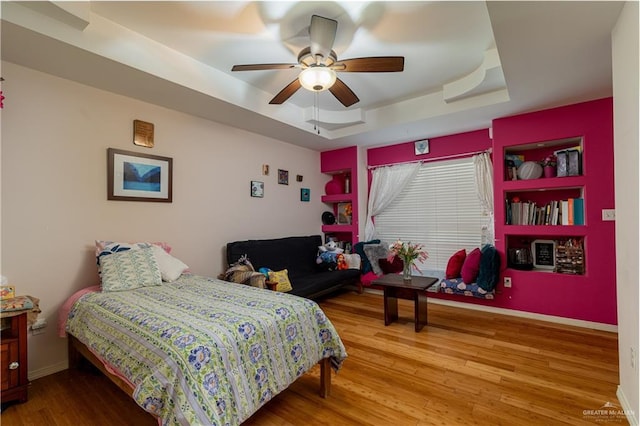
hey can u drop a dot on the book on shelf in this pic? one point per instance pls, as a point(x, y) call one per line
point(555, 212)
point(578, 211)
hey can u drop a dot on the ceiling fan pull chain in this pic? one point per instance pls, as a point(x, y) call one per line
point(317, 105)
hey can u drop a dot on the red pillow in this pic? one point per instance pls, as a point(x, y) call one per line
point(392, 267)
point(471, 266)
point(454, 266)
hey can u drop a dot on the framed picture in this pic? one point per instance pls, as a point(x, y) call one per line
point(544, 254)
point(305, 194)
point(421, 147)
point(345, 210)
point(132, 176)
point(257, 189)
point(283, 177)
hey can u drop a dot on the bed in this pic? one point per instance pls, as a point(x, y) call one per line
point(199, 350)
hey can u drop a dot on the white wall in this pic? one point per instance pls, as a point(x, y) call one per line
point(627, 157)
point(55, 135)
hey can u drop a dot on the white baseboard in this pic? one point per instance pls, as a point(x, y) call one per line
point(628, 411)
point(50, 369)
point(521, 314)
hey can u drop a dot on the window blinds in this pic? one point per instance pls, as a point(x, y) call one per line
point(439, 209)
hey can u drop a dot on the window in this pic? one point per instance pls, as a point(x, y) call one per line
point(439, 209)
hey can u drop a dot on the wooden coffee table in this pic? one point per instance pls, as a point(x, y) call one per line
point(396, 288)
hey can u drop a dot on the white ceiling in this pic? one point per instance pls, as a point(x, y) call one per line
point(466, 63)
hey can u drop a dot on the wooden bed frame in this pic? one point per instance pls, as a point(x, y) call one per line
point(77, 351)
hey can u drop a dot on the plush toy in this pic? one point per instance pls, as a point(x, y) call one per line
point(328, 252)
point(328, 255)
point(342, 262)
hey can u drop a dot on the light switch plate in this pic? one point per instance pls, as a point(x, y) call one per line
point(608, 214)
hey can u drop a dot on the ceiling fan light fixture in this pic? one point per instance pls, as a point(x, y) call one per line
point(317, 78)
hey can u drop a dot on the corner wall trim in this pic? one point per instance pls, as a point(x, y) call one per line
point(629, 413)
point(51, 369)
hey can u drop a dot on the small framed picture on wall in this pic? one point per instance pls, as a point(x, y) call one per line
point(257, 189)
point(283, 177)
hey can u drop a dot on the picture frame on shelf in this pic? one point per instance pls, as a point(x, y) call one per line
point(132, 176)
point(544, 254)
point(345, 212)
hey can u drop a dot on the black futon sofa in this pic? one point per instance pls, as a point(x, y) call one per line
point(297, 255)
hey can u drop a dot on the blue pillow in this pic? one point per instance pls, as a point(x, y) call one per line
point(359, 248)
point(489, 268)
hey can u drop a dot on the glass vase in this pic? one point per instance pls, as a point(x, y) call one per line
point(406, 271)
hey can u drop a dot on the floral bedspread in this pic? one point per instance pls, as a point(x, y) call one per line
point(203, 351)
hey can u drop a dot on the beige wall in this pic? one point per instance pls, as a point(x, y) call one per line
point(55, 135)
point(626, 112)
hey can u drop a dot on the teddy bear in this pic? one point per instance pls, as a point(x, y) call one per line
point(328, 255)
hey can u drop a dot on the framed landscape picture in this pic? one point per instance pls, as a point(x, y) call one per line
point(132, 176)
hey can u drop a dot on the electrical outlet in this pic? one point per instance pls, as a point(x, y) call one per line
point(507, 282)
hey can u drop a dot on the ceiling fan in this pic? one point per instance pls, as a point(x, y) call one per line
point(319, 65)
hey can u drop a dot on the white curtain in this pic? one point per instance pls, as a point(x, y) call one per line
point(386, 184)
point(484, 187)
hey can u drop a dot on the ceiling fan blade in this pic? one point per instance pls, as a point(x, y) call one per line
point(322, 33)
point(258, 67)
point(286, 93)
point(371, 64)
point(343, 93)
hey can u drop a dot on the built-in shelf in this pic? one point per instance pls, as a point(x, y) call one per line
point(337, 198)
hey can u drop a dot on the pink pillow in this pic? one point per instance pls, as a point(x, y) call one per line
point(392, 267)
point(454, 266)
point(471, 266)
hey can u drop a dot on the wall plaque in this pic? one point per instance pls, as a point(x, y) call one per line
point(143, 133)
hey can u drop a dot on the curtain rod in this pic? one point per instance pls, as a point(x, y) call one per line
point(428, 160)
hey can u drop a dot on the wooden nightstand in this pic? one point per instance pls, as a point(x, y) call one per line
point(13, 358)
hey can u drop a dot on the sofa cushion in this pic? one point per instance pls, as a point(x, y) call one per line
point(359, 248)
point(454, 266)
point(393, 266)
point(471, 266)
point(320, 283)
point(281, 278)
point(296, 254)
point(489, 268)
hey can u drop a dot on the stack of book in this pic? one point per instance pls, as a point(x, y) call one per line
point(557, 212)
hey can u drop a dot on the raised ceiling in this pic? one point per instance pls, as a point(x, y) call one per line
point(466, 63)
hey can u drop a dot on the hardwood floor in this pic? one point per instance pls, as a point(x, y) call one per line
point(464, 368)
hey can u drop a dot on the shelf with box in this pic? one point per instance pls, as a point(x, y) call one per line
point(581, 273)
point(544, 210)
point(341, 195)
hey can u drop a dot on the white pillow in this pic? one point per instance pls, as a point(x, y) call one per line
point(130, 269)
point(353, 260)
point(170, 267)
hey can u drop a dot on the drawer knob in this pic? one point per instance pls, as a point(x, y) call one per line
point(14, 365)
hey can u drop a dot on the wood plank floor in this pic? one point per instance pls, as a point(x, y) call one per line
point(464, 368)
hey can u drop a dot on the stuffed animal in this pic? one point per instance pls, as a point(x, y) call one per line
point(328, 252)
point(342, 262)
point(328, 255)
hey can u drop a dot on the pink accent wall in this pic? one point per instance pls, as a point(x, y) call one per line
point(438, 147)
point(590, 297)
